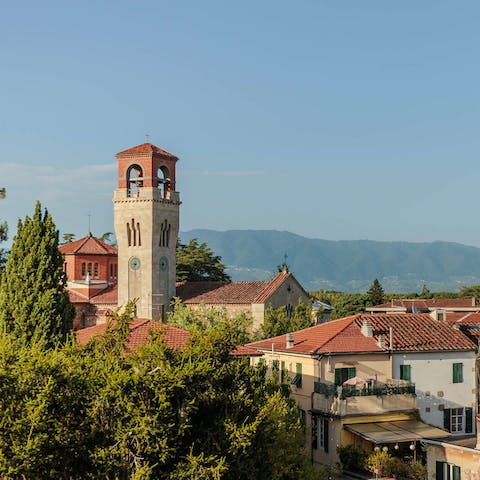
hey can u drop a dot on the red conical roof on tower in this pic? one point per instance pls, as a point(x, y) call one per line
point(147, 148)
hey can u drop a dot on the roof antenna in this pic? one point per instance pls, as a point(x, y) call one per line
point(89, 221)
point(147, 136)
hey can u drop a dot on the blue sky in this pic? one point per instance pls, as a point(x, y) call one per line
point(331, 119)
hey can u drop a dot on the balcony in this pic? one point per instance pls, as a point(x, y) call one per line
point(369, 399)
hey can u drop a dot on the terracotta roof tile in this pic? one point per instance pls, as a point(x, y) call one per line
point(244, 350)
point(88, 245)
point(431, 303)
point(242, 292)
point(411, 332)
point(147, 148)
point(309, 340)
point(175, 338)
point(109, 295)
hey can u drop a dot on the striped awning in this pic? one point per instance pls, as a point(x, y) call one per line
point(395, 432)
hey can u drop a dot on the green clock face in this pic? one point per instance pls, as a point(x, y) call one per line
point(134, 263)
point(163, 264)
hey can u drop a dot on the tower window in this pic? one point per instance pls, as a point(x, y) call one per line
point(95, 270)
point(163, 181)
point(134, 180)
point(115, 270)
point(89, 268)
point(84, 270)
point(133, 234)
point(165, 228)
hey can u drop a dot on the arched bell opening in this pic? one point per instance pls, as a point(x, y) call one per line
point(134, 180)
point(164, 181)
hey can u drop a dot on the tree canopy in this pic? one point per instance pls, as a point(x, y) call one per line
point(3, 234)
point(97, 412)
point(33, 303)
point(277, 321)
point(198, 262)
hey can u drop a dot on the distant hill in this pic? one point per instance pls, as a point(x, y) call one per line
point(344, 265)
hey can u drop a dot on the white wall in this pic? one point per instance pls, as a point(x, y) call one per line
point(432, 374)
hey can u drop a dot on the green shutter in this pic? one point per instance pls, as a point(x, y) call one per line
point(351, 372)
point(456, 472)
point(457, 372)
point(439, 471)
point(406, 372)
point(447, 419)
point(261, 362)
point(338, 376)
point(299, 375)
point(468, 419)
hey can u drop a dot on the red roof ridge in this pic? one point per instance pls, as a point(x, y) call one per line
point(77, 245)
point(351, 319)
point(147, 148)
point(270, 287)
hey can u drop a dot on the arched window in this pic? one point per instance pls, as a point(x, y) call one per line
point(163, 181)
point(89, 268)
point(134, 180)
point(95, 270)
point(84, 270)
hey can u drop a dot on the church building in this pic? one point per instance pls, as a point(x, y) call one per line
point(143, 268)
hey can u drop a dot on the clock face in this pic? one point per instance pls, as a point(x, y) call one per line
point(163, 264)
point(134, 263)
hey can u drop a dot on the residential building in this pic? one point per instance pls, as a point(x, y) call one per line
point(347, 380)
point(454, 458)
point(422, 305)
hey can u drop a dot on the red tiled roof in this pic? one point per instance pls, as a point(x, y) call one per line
point(431, 303)
point(417, 332)
point(469, 324)
point(411, 332)
point(241, 350)
point(309, 340)
point(242, 292)
point(147, 148)
point(109, 295)
point(175, 338)
point(88, 245)
point(76, 297)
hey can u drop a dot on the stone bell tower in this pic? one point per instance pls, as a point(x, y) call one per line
point(146, 217)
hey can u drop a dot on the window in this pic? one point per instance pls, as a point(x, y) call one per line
point(84, 270)
point(343, 374)
point(447, 471)
point(111, 270)
point(297, 379)
point(458, 373)
point(283, 371)
point(320, 433)
point(275, 369)
point(95, 270)
point(302, 415)
point(406, 372)
point(456, 420)
point(89, 268)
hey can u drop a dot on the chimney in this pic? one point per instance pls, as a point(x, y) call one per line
point(289, 340)
point(367, 330)
point(381, 341)
point(477, 417)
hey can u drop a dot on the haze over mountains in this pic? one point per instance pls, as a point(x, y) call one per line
point(344, 265)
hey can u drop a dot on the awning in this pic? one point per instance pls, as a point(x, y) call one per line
point(395, 432)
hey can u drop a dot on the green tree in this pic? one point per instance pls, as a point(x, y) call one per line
point(97, 412)
point(277, 322)
point(198, 262)
point(34, 305)
point(376, 295)
point(425, 293)
point(108, 237)
point(471, 291)
point(67, 238)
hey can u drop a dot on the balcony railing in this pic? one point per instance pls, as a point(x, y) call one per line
point(329, 389)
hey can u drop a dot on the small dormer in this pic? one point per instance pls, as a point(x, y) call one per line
point(439, 314)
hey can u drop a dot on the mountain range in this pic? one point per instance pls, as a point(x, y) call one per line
point(344, 265)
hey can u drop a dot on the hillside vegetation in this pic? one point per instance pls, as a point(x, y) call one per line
point(345, 265)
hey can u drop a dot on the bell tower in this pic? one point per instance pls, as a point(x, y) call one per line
point(146, 218)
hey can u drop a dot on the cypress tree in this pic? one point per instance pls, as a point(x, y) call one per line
point(375, 293)
point(34, 305)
